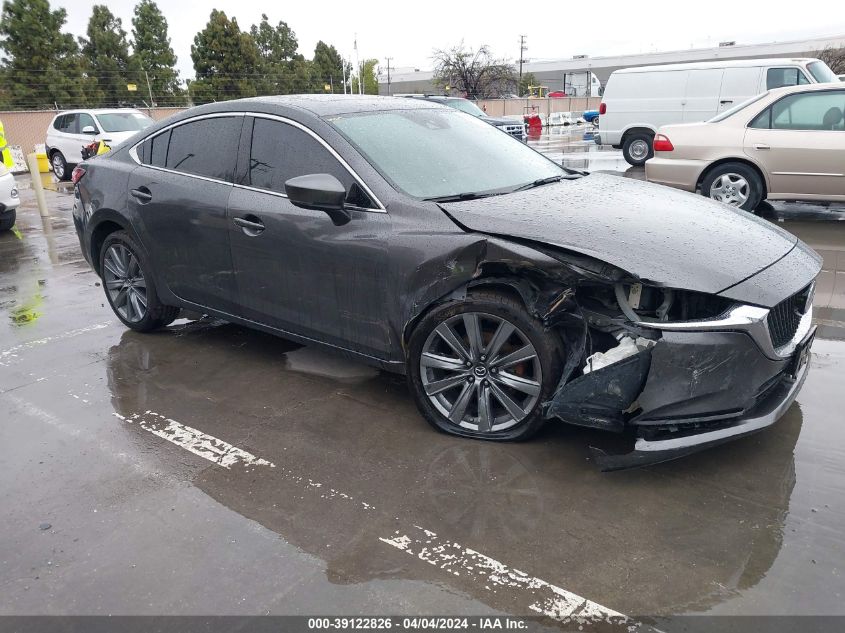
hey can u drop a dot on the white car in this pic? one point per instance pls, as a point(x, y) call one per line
point(9, 199)
point(70, 131)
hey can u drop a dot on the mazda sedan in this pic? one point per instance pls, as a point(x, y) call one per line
point(421, 240)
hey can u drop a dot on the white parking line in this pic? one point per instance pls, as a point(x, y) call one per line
point(199, 443)
point(542, 597)
point(546, 599)
point(7, 356)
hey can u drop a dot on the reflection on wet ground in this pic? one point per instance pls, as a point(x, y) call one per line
point(138, 524)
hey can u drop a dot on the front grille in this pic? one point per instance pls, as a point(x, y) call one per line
point(785, 317)
point(515, 130)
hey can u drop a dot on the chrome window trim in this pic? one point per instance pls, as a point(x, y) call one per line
point(742, 318)
point(133, 152)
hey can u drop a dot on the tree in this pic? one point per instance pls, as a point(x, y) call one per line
point(153, 53)
point(327, 67)
point(477, 73)
point(833, 57)
point(528, 79)
point(277, 46)
point(226, 60)
point(369, 74)
point(107, 61)
point(41, 64)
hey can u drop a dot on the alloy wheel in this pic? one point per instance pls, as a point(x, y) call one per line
point(125, 283)
point(730, 188)
point(58, 165)
point(481, 372)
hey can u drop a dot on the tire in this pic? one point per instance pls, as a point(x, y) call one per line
point(60, 166)
point(736, 184)
point(137, 304)
point(8, 222)
point(637, 148)
point(446, 381)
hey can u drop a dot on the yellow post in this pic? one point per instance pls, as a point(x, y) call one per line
point(37, 185)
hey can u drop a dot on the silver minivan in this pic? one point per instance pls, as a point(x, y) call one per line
point(637, 101)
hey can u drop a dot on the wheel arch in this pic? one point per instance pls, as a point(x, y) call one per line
point(734, 159)
point(637, 129)
point(104, 223)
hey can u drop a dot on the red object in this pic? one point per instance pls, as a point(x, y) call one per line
point(557, 94)
point(77, 174)
point(602, 108)
point(662, 143)
point(535, 125)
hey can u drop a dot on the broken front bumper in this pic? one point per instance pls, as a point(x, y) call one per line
point(702, 384)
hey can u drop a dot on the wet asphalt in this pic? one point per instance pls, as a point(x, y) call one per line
point(316, 488)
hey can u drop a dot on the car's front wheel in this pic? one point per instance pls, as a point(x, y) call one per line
point(637, 149)
point(482, 367)
point(8, 222)
point(735, 184)
point(129, 286)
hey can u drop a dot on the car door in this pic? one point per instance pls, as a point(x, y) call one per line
point(701, 98)
point(800, 141)
point(178, 197)
point(297, 269)
point(738, 84)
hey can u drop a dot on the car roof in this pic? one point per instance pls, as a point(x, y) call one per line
point(331, 105)
point(99, 111)
point(719, 63)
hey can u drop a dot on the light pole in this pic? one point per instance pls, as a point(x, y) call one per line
point(388, 75)
point(522, 49)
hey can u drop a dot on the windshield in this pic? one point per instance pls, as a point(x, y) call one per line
point(431, 153)
point(465, 106)
point(730, 112)
point(124, 121)
point(821, 72)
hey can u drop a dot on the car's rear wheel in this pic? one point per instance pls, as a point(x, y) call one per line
point(129, 286)
point(637, 148)
point(8, 222)
point(482, 367)
point(60, 167)
point(735, 184)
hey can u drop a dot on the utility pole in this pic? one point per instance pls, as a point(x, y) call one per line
point(388, 75)
point(343, 66)
point(149, 89)
point(358, 64)
point(522, 49)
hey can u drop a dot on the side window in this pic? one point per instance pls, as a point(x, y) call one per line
point(810, 111)
point(780, 77)
point(85, 120)
point(280, 152)
point(59, 123)
point(762, 121)
point(70, 124)
point(207, 147)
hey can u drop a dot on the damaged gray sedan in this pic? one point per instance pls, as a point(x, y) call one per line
point(416, 238)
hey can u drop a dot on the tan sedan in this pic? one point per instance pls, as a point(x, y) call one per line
point(785, 144)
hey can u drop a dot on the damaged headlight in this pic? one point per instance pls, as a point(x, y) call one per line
point(643, 303)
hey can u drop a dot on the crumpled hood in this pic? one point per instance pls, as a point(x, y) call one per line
point(663, 235)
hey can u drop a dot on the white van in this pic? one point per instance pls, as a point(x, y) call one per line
point(637, 101)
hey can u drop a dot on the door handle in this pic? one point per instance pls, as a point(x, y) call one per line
point(724, 101)
point(251, 227)
point(142, 194)
point(761, 146)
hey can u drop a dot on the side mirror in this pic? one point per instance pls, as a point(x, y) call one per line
point(322, 192)
point(89, 129)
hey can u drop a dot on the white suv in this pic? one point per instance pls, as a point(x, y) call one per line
point(72, 130)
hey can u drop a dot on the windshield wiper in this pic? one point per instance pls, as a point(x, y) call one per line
point(457, 197)
point(539, 182)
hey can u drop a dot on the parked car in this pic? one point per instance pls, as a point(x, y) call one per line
point(637, 101)
point(786, 144)
point(419, 239)
point(511, 126)
point(591, 116)
point(9, 199)
point(71, 131)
